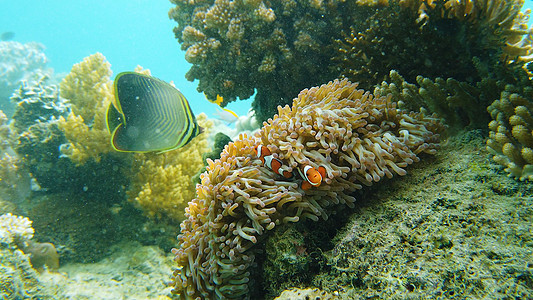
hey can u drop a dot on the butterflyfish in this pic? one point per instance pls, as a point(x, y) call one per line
point(149, 115)
point(223, 114)
point(311, 176)
point(271, 162)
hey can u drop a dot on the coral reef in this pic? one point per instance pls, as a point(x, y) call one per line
point(88, 89)
point(454, 228)
point(162, 184)
point(460, 104)
point(297, 293)
point(275, 47)
point(37, 102)
point(405, 35)
point(15, 230)
point(18, 63)
point(280, 47)
point(39, 141)
point(511, 132)
point(11, 174)
point(18, 280)
point(357, 137)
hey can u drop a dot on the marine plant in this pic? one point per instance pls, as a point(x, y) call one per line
point(358, 138)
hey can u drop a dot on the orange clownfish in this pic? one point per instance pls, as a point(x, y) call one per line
point(311, 176)
point(271, 162)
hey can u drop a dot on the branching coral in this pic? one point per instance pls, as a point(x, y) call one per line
point(357, 137)
point(89, 91)
point(511, 133)
point(275, 47)
point(163, 184)
point(15, 230)
point(434, 39)
point(461, 105)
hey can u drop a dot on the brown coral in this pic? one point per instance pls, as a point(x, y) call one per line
point(357, 137)
point(274, 47)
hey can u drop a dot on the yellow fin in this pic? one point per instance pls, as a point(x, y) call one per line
point(218, 101)
point(231, 112)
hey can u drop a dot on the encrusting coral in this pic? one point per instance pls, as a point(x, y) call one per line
point(356, 137)
point(162, 184)
point(511, 132)
point(89, 91)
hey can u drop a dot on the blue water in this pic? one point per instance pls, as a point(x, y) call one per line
point(127, 32)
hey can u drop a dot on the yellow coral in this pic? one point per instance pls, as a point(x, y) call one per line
point(358, 138)
point(89, 90)
point(511, 134)
point(162, 185)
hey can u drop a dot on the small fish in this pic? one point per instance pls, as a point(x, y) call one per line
point(271, 162)
point(311, 176)
point(223, 114)
point(226, 115)
point(7, 36)
point(149, 115)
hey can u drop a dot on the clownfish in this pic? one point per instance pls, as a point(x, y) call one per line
point(311, 176)
point(271, 162)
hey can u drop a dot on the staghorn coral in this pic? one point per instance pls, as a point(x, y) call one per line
point(89, 92)
point(162, 183)
point(511, 132)
point(357, 137)
point(275, 47)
